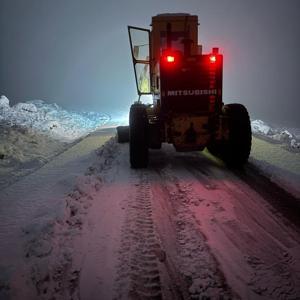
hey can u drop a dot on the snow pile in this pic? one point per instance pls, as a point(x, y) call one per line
point(278, 160)
point(23, 150)
point(279, 135)
point(118, 119)
point(20, 144)
point(50, 252)
point(50, 119)
point(260, 127)
point(33, 132)
point(281, 164)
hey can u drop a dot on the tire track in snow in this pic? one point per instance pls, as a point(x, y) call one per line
point(198, 269)
point(268, 247)
point(283, 203)
point(164, 253)
point(138, 274)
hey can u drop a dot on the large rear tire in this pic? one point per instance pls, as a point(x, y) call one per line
point(236, 149)
point(138, 136)
point(238, 146)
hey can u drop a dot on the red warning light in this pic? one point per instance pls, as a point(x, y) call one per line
point(170, 58)
point(212, 58)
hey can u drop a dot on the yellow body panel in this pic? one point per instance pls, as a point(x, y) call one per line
point(180, 23)
point(188, 132)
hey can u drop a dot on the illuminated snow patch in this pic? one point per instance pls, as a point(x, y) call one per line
point(118, 119)
point(289, 137)
point(50, 119)
point(260, 127)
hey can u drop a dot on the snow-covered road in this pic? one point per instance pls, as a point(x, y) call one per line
point(185, 228)
point(30, 207)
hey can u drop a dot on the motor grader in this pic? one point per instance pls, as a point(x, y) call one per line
point(186, 90)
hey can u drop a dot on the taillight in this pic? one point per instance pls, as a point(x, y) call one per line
point(170, 58)
point(212, 58)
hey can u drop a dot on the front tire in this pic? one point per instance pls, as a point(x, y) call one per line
point(138, 136)
point(123, 134)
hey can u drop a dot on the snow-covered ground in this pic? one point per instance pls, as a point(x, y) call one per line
point(289, 137)
point(50, 119)
point(185, 228)
point(83, 225)
point(33, 132)
point(31, 207)
point(276, 153)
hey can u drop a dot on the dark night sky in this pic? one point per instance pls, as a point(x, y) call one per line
point(76, 53)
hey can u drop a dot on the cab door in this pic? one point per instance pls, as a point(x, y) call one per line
point(140, 50)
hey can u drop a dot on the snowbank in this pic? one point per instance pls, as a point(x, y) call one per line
point(23, 150)
point(50, 119)
point(118, 119)
point(31, 133)
point(288, 137)
point(280, 159)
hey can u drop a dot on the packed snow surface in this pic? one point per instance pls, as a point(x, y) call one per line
point(185, 228)
point(84, 225)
